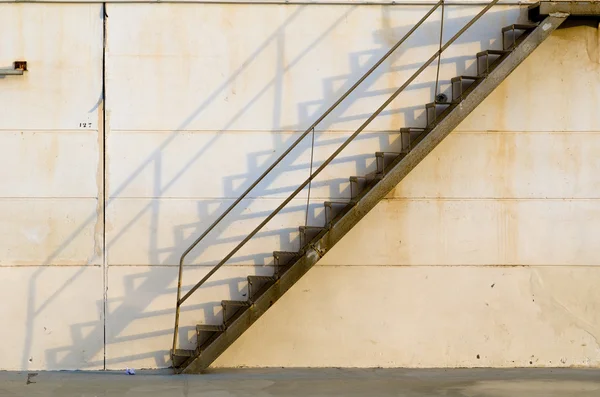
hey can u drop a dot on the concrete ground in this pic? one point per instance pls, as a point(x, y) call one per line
point(309, 382)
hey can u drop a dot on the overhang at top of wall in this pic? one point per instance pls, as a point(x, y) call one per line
point(574, 8)
point(327, 2)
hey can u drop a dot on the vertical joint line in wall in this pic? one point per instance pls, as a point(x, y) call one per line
point(104, 261)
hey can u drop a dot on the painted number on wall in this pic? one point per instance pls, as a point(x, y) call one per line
point(85, 125)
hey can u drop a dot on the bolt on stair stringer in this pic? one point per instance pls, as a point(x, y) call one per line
point(197, 360)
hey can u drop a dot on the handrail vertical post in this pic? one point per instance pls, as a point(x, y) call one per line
point(177, 307)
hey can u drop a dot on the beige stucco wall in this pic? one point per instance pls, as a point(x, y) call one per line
point(485, 255)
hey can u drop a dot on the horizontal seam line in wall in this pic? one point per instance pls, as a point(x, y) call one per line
point(313, 199)
point(53, 130)
point(220, 198)
point(374, 131)
point(347, 3)
point(175, 265)
point(283, 132)
point(490, 132)
point(48, 198)
point(51, 265)
point(460, 265)
point(361, 265)
point(492, 199)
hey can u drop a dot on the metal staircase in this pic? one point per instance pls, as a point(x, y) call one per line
point(442, 116)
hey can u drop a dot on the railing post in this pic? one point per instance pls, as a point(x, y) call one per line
point(177, 308)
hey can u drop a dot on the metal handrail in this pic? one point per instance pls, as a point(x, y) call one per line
point(329, 160)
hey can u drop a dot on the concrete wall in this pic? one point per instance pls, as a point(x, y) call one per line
point(51, 228)
point(483, 256)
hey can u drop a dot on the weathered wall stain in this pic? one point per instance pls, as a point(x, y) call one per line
point(592, 38)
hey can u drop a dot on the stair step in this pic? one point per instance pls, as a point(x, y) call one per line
point(438, 103)
point(232, 309)
point(184, 352)
point(431, 110)
point(308, 234)
point(492, 52)
point(385, 160)
point(210, 328)
point(513, 28)
point(358, 184)
point(373, 177)
point(180, 356)
point(236, 303)
point(259, 279)
point(408, 135)
point(283, 260)
point(485, 55)
point(334, 208)
point(258, 284)
point(519, 26)
point(458, 87)
point(206, 333)
point(460, 78)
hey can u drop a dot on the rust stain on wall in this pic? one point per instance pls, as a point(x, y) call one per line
point(508, 232)
point(496, 107)
point(52, 156)
point(504, 158)
point(592, 40)
point(387, 28)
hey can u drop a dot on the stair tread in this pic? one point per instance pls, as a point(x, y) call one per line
point(311, 227)
point(356, 178)
point(283, 260)
point(235, 303)
point(519, 26)
point(308, 234)
point(379, 154)
point(210, 328)
point(261, 278)
point(371, 176)
point(279, 253)
point(329, 203)
point(465, 77)
point(432, 104)
point(493, 52)
point(333, 209)
point(184, 352)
